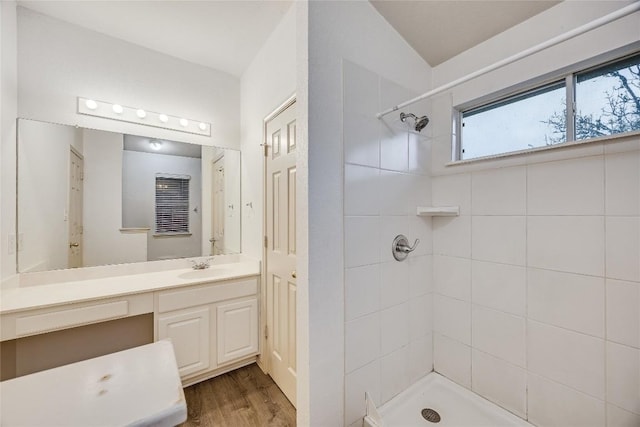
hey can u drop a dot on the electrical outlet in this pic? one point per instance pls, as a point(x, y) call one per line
point(12, 244)
point(20, 241)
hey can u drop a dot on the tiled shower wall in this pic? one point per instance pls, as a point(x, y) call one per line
point(388, 304)
point(537, 282)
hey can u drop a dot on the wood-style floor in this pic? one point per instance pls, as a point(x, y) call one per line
point(244, 397)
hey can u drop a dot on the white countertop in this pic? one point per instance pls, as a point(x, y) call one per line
point(139, 386)
point(42, 296)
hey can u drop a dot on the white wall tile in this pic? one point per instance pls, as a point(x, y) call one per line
point(420, 192)
point(361, 240)
point(362, 341)
point(623, 312)
point(361, 190)
point(360, 100)
point(420, 316)
point(453, 190)
point(394, 148)
point(452, 359)
point(623, 377)
point(567, 300)
point(357, 383)
point(394, 283)
point(394, 328)
point(394, 375)
point(622, 182)
point(568, 187)
point(623, 248)
point(420, 275)
point(500, 382)
point(567, 357)
point(452, 236)
point(499, 191)
point(617, 417)
point(419, 154)
point(420, 228)
point(390, 227)
point(394, 143)
point(552, 404)
point(452, 276)
point(499, 286)
point(499, 239)
point(499, 334)
point(362, 291)
point(452, 317)
point(394, 192)
point(566, 243)
point(420, 357)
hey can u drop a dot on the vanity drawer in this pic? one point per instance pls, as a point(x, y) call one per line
point(68, 316)
point(206, 294)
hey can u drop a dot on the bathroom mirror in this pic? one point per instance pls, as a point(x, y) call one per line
point(88, 197)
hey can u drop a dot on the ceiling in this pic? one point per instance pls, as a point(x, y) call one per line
point(440, 29)
point(162, 146)
point(226, 35)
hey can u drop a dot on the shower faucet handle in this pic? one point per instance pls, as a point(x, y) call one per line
point(400, 247)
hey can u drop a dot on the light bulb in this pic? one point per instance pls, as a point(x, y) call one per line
point(202, 126)
point(155, 144)
point(91, 104)
point(141, 114)
point(117, 108)
point(184, 122)
point(163, 118)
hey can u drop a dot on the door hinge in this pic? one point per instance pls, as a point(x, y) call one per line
point(266, 332)
point(266, 242)
point(266, 149)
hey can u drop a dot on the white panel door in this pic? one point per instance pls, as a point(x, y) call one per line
point(281, 249)
point(189, 332)
point(76, 176)
point(218, 208)
point(237, 330)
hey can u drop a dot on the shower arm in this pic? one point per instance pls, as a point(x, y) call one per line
point(620, 13)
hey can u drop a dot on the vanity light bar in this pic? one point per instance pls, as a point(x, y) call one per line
point(109, 110)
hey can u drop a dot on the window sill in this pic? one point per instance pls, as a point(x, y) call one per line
point(162, 235)
point(572, 144)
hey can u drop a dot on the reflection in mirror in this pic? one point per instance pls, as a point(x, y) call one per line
point(88, 197)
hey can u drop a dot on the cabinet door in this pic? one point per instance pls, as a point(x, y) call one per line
point(237, 330)
point(189, 332)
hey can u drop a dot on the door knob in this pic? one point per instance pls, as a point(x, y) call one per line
point(74, 245)
point(293, 274)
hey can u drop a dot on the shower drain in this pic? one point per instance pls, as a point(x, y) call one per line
point(430, 415)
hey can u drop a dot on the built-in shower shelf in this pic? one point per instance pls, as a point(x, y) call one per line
point(438, 211)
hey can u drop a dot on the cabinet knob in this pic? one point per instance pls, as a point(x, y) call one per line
point(293, 274)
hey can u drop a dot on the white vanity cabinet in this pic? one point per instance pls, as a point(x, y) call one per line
point(190, 334)
point(212, 326)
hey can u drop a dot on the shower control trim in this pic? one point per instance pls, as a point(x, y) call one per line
point(400, 247)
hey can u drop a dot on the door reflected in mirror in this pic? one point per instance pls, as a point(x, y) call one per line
point(88, 197)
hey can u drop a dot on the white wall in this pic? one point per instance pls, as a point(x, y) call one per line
point(8, 110)
point(43, 208)
point(537, 282)
point(138, 193)
point(340, 31)
point(59, 62)
point(79, 62)
point(104, 243)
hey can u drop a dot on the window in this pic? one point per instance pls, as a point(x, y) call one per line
point(605, 100)
point(172, 204)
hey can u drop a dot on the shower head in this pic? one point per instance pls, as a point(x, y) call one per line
point(419, 122)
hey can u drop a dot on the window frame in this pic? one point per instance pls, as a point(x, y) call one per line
point(568, 74)
point(159, 233)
